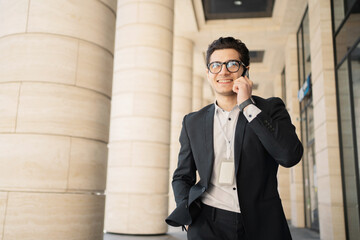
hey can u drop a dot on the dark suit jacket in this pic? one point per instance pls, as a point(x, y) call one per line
point(260, 146)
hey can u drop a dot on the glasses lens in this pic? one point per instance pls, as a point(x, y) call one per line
point(233, 66)
point(215, 67)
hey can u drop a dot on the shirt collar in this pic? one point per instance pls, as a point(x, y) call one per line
point(217, 108)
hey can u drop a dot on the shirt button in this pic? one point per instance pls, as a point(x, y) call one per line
point(250, 116)
point(234, 188)
point(229, 119)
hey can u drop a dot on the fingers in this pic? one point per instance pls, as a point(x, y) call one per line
point(243, 88)
point(242, 82)
point(247, 80)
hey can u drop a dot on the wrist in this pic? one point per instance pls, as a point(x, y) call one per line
point(246, 103)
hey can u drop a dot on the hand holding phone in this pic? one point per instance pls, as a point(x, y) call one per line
point(243, 87)
point(245, 73)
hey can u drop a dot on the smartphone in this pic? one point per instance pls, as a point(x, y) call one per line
point(245, 73)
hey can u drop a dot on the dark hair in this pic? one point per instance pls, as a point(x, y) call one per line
point(229, 42)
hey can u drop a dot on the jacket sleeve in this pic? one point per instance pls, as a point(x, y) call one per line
point(185, 174)
point(277, 133)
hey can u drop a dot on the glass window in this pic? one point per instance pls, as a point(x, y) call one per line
point(306, 43)
point(349, 33)
point(341, 8)
point(348, 152)
point(300, 56)
point(307, 126)
point(355, 82)
point(346, 17)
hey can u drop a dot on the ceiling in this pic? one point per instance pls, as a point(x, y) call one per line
point(268, 34)
point(230, 9)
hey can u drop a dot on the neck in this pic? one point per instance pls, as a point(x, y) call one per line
point(226, 102)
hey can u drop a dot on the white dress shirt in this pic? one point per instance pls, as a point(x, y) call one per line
point(224, 196)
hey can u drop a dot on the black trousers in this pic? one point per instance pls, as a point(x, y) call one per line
point(216, 224)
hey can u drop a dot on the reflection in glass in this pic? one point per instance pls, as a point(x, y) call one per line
point(348, 34)
point(306, 37)
point(341, 8)
point(300, 56)
point(348, 156)
point(339, 12)
point(346, 17)
point(310, 173)
point(355, 79)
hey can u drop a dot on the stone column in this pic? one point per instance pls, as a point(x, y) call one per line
point(292, 87)
point(198, 80)
point(138, 168)
point(277, 85)
point(56, 62)
point(197, 93)
point(208, 93)
point(181, 99)
point(331, 213)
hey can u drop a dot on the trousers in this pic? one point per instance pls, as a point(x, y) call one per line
point(216, 224)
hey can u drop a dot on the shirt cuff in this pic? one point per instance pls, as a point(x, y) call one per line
point(251, 112)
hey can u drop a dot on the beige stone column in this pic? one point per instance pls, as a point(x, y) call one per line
point(331, 214)
point(208, 93)
point(198, 80)
point(181, 99)
point(56, 62)
point(138, 168)
point(197, 92)
point(277, 85)
point(292, 104)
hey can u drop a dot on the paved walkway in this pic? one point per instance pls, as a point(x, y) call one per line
point(177, 234)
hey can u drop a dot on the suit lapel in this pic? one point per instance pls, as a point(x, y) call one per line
point(239, 136)
point(209, 141)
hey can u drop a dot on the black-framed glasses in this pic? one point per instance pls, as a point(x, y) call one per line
point(231, 65)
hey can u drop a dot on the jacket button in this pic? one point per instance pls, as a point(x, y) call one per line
point(203, 189)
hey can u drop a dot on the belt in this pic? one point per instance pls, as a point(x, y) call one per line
point(220, 213)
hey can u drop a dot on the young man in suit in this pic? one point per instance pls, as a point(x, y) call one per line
point(236, 145)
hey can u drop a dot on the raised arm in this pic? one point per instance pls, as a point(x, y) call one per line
point(277, 133)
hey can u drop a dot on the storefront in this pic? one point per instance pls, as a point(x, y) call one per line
point(346, 29)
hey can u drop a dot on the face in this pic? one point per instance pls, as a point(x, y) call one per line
point(222, 82)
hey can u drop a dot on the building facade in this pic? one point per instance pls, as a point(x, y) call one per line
point(93, 92)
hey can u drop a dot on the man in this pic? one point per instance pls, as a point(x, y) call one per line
point(236, 145)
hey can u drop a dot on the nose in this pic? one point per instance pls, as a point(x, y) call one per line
point(224, 69)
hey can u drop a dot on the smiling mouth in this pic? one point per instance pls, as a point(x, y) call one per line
point(224, 80)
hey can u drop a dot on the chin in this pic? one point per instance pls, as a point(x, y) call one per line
point(227, 93)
